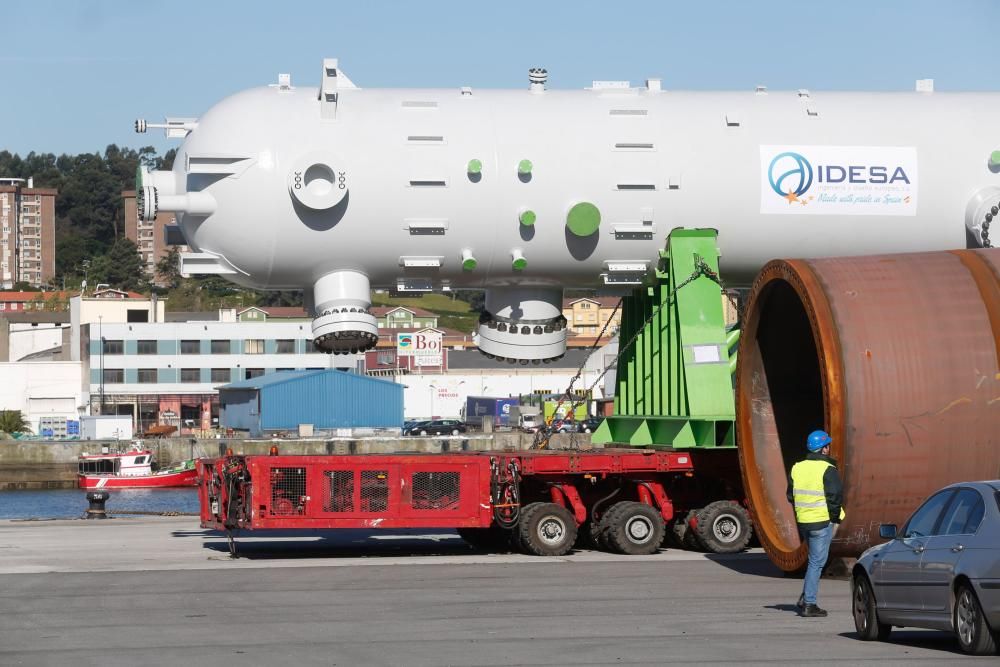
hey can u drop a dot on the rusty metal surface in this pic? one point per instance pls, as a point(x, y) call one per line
point(897, 357)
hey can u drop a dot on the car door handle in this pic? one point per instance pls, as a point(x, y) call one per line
point(919, 549)
point(958, 547)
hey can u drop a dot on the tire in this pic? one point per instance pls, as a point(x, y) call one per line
point(492, 539)
point(635, 529)
point(723, 527)
point(454, 431)
point(546, 529)
point(681, 533)
point(866, 611)
point(423, 432)
point(590, 536)
point(974, 636)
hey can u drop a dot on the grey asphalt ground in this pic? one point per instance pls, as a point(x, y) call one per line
point(164, 592)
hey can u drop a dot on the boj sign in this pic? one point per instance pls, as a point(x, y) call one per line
point(424, 346)
point(838, 180)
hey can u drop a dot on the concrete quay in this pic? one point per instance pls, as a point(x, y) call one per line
point(40, 464)
point(165, 592)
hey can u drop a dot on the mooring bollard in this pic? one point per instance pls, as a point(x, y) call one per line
point(97, 500)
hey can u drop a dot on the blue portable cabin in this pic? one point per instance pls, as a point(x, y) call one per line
point(327, 399)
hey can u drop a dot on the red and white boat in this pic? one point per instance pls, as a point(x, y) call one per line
point(132, 470)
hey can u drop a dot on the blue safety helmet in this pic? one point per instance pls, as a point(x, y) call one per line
point(817, 440)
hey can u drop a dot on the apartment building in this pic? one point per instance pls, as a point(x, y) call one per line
point(27, 233)
point(169, 372)
point(149, 237)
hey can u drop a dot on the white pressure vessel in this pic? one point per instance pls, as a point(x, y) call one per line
point(339, 189)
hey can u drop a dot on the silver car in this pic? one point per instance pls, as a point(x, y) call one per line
point(941, 571)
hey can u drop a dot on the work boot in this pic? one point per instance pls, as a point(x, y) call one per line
point(801, 604)
point(813, 611)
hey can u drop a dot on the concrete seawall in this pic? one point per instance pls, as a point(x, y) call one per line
point(53, 465)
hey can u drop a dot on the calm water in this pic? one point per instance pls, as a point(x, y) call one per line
point(72, 503)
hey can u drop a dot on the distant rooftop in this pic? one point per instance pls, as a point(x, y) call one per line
point(280, 312)
point(379, 311)
point(18, 297)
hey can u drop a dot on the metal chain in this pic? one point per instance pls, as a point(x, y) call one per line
point(701, 268)
point(542, 432)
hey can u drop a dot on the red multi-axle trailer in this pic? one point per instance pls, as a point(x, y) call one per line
point(539, 501)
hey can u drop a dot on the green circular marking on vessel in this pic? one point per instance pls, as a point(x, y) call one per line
point(527, 218)
point(469, 264)
point(475, 166)
point(995, 159)
point(524, 167)
point(584, 219)
point(520, 264)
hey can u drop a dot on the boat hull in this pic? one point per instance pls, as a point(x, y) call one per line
point(167, 480)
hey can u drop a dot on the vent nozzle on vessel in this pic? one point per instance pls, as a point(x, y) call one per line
point(537, 77)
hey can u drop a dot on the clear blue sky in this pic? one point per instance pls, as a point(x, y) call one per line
point(76, 74)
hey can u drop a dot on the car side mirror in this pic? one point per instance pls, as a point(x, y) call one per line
point(887, 531)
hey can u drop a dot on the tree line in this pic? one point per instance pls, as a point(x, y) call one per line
point(90, 215)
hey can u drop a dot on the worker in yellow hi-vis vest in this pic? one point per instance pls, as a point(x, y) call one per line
point(816, 492)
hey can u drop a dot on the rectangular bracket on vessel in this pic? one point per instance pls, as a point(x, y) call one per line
point(426, 226)
point(420, 262)
point(414, 285)
point(633, 231)
point(205, 264)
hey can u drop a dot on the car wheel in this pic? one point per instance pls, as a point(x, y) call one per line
point(423, 432)
point(635, 529)
point(866, 612)
point(724, 527)
point(454, 431)
point(546, 529)
point(974, 636)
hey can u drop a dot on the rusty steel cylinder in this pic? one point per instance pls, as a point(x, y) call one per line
point(896, 356)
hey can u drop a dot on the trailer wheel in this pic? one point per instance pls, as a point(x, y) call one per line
point(546, 529)
point(724, 527)
point(633, 528)
point(683, 536)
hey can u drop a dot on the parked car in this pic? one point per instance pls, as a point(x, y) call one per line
point(410, 423)
point(437, 427)
point(940, 571)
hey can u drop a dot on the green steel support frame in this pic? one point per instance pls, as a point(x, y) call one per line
point(674, 383)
